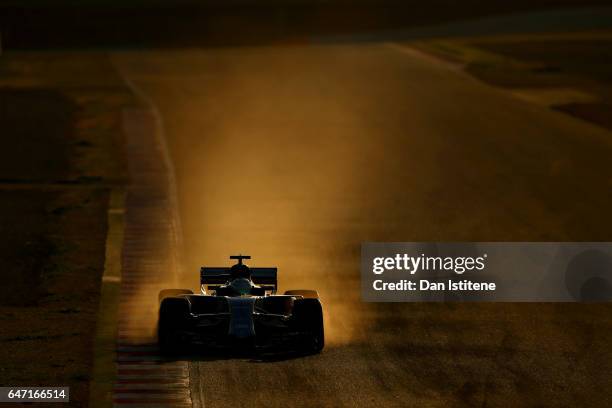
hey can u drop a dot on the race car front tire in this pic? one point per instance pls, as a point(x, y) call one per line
point(309, 316)
point(173, 314)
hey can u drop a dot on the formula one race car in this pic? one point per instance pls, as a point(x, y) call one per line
point(239, 307)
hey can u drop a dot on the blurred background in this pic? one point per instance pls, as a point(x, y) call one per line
point(55, 23)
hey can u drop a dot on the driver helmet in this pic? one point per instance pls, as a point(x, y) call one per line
point(240, 271)
point(241, 286)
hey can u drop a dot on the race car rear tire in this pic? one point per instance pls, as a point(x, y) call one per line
point(173, 314)
point(309, 316)
point(173, 292)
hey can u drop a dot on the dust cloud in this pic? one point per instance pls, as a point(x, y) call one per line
point(289, 202)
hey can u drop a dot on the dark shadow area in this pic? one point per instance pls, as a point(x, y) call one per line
point(597, 112)
point(35, 126)
point(254, 356)
point(25, 257)
point(588, 58)
point(168, 24)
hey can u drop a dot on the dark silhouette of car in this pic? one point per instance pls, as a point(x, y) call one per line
point(238, 308)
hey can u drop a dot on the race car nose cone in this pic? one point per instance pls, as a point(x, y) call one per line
point(241, 321)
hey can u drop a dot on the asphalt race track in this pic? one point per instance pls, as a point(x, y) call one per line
point(296, 154)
